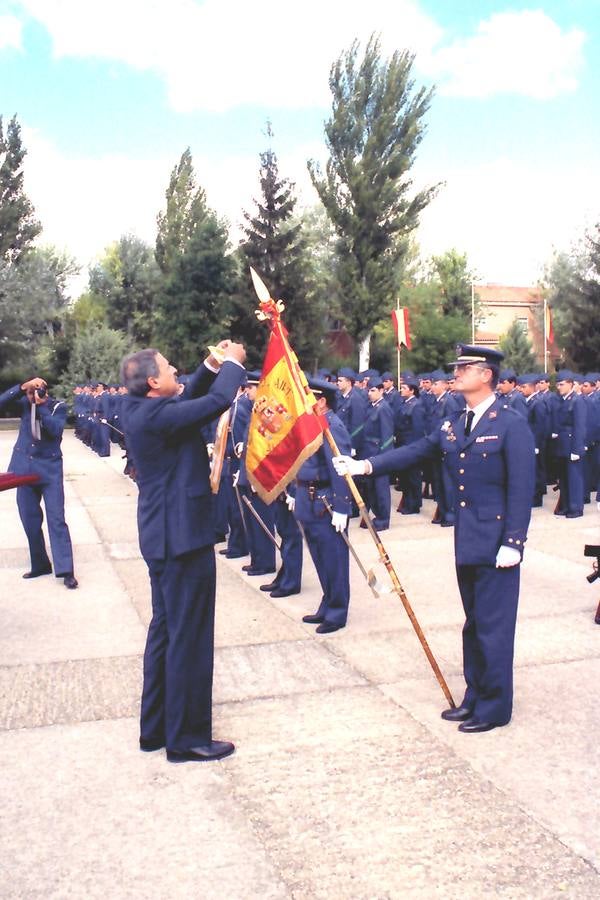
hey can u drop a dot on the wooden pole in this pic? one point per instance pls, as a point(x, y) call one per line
point(392, 573)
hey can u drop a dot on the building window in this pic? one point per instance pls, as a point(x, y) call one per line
point(523, 324)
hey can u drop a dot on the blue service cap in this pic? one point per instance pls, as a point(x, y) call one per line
point(578, 378)
point(542, 376)
point(507, 375)
point(373, 373)
point(411, 380)
point(324, 373)
point(387, 376)
point(592, 377)
point(425, 376)
point(407, 372)
point(347, 372)
point(565, 375)
point(527, 378)
point(327, 388)
point(473, 353)
point(438, 375)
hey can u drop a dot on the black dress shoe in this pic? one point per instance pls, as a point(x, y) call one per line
point(313, 620)
point(458, 714)
point(269, 587)
point(70, 582)
point(34, 574)
point(149, 746)
point(233, 555)
point(252, 571)
point(328, 628)
point(223, 552)
point(246, 567)
point(205, 753)
point(573, 515)
point(472, 726)
point(220, 537)
point(277, 592)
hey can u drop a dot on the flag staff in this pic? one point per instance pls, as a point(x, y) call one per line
point(271, 309)
point(545, 334)
point(398, 345)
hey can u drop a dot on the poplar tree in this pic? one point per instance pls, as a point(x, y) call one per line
point(376, 126)
point(517, 349)
point(18, 225)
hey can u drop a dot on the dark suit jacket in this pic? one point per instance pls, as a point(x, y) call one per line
point(164, 437)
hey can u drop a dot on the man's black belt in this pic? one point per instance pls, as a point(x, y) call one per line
point(314, 485)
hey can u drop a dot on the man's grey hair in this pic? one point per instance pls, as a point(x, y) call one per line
point(137, 368)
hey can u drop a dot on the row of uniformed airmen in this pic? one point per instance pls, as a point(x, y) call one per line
point(97, 407)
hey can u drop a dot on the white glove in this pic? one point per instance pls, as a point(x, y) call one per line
point(290, 502)
point(554, 435)
point(238, 449)
point(339, 521)
point(574, 457)
point(507, 557)
point(345, 465)
point(353, 453)
point(537, 450)
point(210, 449)
point(235, 479)
point(598, 505)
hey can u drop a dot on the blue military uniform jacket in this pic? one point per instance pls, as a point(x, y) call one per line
point(51, 416)
point(493, 475)
point(169, 454)
point(319, 470)
point(538, 419)
point(351, 410)
point(516, 401)
point(410, 421)
point(570, 425)
point(378, 434)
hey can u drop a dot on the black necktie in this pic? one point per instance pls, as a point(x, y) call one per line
point(469, 422)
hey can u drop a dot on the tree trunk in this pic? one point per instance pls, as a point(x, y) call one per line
point(364, 349)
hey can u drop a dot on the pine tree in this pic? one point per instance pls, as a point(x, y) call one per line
point(275, 248)
point(517, 349)
point(372, 136)
point(192, 308)
point(18, 225)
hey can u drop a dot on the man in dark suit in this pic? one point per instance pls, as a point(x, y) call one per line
point(38, 452)
point(490, 456)
point(176, 531)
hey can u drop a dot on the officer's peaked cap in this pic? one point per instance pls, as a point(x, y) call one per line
point(327, 389)
point(253, 377)
point(472, 353)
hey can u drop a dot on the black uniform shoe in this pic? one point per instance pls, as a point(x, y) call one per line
point(37, 574)
point(459, 714)
point(252, 571)
point(268, 587)
point(313, 620)
point(277, 592)
point(205, 753)
point(70, 582)
point(472, 726)
point(328, 628)
point(148, 746)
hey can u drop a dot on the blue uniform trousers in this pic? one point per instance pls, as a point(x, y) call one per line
point(289, 576)
point(178, 660)
point(411, 480)
point(490, 597)
point(330, 555)
point(237, 545)
point(443, 493)
point(29, 499)
point(379, 500)
point(570, 480)
point(220, 511)
point(262, 549)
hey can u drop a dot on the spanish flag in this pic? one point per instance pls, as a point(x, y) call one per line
point(284, 428)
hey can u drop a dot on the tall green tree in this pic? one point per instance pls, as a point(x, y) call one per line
point(192, 308)
point(517, 349)
point(451, 270)
point(376, 126)
point(96, 355)
point(128, 280)
point(275, 247)
point(18, 225)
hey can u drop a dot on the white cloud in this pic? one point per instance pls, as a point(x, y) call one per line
point(10, 32)
point(523, 53)
point(220, 54)
point(503, 215)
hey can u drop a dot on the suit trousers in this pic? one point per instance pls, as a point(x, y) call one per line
point(289, 576)
point(178, 660)
point(330, 555)
point(29, 500)
point(490, 597)
point(570, 481)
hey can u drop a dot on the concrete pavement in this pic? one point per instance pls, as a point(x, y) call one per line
point(346, 783)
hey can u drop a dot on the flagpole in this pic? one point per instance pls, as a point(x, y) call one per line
point(472, 313)
point(392, 573)
point(545, 334)
point(398, 344)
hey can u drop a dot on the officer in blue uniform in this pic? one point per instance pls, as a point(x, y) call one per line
point(507, 391)
point(591, 399)
point(410, 427)
point(538, 420)
point(176, 532)
point(239, 417)
point(446, 408)
point(37, 452)
point(490, 455)
point(569, 446)
point(378, 436)
point(317, 480)
point(352, 405)
point(288, 580)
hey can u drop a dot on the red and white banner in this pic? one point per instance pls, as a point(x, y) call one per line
point(401, 327)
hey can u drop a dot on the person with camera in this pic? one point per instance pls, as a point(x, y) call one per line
point(38, 452)
point(176, 531)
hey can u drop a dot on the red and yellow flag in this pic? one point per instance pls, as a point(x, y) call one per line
point(284, 428)
point(549, 326)
point(401, 327)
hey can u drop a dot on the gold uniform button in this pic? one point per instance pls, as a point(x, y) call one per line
point(462, 503)
point(461, 471)
point(461, 487)
point(462, 455)
point(518, 542)
point(510, 540)
point(498, 517)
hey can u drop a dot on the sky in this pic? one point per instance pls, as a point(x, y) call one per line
point(109, 94)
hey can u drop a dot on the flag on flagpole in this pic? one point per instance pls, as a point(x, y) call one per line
point(549, 326)
point(401, 327)
point(284, 428)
